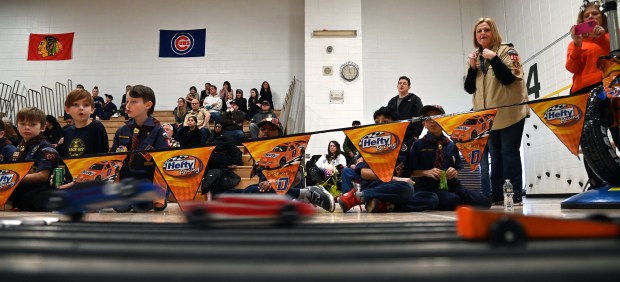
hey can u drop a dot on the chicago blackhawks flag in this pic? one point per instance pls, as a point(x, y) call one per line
point(565, 118)
point(279, 159)
point(183, 169)
point(379, 145)
point(470, 133)
point(10, 176)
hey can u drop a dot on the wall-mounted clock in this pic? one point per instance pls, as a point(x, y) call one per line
point(349, 71)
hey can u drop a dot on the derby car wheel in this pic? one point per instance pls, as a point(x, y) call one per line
point(597, 150)
point(198, 217)
point(289, 215)
point(474, 134)
point(142, 206)
point(507, 232)
point(282, 162)
point(122, 209)
point(76, 216)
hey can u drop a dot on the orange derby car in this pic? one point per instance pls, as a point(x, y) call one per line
point(104, 170)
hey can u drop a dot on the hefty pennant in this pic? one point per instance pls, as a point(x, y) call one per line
point(565, 118)
point(470, 133)
point(279, 159)
point(182, 170)
point(47, 47)
point(379, 145)
point(10, 176)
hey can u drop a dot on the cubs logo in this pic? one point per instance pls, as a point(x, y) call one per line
point(182, 43)
point(563, 114)
point(8, 179)
point(182, 166)
point(379, 142)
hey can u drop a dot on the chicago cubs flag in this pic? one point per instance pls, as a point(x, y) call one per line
point(182, 43)
point(183, 170)
point(279, 159)
point(10, 176)
point(47, 47)
point(565, 117)
point(470, 133)
point(379, 145)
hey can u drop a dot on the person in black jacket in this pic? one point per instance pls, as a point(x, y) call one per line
point(407, 105)
point(189, 135)
point(53, 131)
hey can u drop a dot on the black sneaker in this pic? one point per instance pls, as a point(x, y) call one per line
point(320, 197)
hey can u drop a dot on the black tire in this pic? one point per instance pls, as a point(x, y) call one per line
point(98, 178)
point(474, 134)
point(599, 217)
point(289, 216)
point(142, 206)
point(122, 209)
point(198, 217)
point(282, 162)
point(162, 208)
point(76, 216)
point(597, 150)
point(508, 233)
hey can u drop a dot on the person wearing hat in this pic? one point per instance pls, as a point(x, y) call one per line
point(265, 112)
point(317, 195)
point(232, 123)
point(6, 147)
point(433, 154)
point(109, 108)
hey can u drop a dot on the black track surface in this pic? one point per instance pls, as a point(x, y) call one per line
point(420, 251)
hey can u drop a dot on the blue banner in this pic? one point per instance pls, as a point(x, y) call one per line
point(182, 43)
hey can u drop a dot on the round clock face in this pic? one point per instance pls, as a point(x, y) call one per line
point(349, 71)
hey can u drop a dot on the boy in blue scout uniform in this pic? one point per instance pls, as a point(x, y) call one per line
point(423, 163)
point(6, 147)
point(33, 191)
point(141, 133)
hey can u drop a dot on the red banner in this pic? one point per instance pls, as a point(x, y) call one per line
point(470, 133)
point(280, 159)
point(379, 145)
point(48, 47)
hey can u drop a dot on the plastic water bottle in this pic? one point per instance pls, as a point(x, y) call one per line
point(508, 195)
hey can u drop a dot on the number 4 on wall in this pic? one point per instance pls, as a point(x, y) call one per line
point(533, 89)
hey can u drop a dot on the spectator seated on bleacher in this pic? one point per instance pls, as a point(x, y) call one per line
point(265, 113)
point(213, 104)
point(232, 123)
point(109, 108)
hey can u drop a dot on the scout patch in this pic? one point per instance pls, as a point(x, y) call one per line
point(121, 149)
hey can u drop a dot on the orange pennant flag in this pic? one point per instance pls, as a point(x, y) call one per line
point(10, 176)
point(379, 145)
point(183, 169)
point(565, 118)
point(95, 168)
point(470, 133)
point(280, 159)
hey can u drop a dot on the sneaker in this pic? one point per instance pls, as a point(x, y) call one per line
point(348, 200)
point(378, 206)
point(320, 197)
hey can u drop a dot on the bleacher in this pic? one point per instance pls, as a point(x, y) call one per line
point(167, 117)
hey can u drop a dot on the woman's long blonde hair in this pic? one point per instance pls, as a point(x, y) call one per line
point(495, 40)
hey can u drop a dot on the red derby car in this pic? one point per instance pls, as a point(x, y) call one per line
point(472, 128)
point(281, 155)
point(237, 208)
point(100, 171)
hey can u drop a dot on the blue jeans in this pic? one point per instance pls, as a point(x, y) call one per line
point(348, 174)
point(485, 179)
point(504, 146)
point(216, 116)
point(254, 130)
point(236, 135)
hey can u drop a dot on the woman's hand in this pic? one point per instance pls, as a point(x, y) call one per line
point(472, 59)
point(576, 38)
point(598, 31)
point(488, 54)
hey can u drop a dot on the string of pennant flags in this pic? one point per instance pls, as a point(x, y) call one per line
point(182, 169)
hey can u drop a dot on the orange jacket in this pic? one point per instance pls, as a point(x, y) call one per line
point(582, 61)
